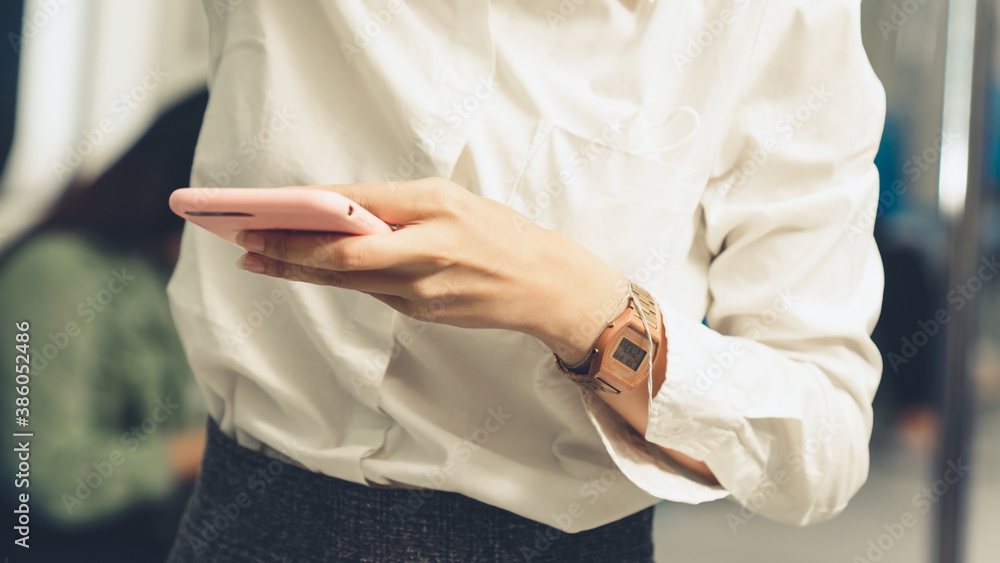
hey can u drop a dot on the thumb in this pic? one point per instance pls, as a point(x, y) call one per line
point(396, 203)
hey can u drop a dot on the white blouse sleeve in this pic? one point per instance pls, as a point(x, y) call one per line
point(775, 393)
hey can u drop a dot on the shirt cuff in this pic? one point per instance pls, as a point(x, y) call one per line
point(686, 415)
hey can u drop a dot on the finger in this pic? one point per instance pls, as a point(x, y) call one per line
point(332, 251)
point(368, 281)
point(396, 203)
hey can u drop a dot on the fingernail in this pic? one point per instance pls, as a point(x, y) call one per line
point(251, 263)
point(251, 240)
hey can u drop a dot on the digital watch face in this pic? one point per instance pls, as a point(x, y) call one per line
point(629, 354)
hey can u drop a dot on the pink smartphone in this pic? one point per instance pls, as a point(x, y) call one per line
point(227, 211)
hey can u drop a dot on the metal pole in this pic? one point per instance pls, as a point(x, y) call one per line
point(960, 201)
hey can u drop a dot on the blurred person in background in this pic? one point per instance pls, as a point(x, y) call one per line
point(117, 418)
point(908, 399)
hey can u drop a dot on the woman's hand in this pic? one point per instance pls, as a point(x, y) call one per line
point(456, 258)
point(468, 261)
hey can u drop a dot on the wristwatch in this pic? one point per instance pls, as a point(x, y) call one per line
point(624, 352)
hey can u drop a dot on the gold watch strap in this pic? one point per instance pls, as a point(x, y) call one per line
point(648, 306)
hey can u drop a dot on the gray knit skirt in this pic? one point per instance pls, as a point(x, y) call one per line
point(248, 507)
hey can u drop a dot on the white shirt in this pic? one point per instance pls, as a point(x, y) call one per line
point(718, 153)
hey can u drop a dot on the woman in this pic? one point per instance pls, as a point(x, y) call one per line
point(412, 396)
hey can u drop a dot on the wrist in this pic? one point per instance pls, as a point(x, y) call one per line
point(585, 294)
point(633, 404)
point(628, 350)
